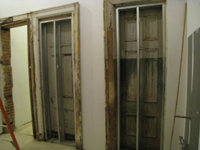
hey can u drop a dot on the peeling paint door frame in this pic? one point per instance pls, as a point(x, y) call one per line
point(73, 10)
point(110, 43)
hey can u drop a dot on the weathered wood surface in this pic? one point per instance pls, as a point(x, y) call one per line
point(109, 29)
point(32, 80)
point(77, 76)
point(119, 3)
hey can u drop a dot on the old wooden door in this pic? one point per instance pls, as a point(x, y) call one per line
point(151, 64)
point(58, 78)
point(67, 75)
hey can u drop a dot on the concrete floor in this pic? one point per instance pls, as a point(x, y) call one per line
point(26, 141)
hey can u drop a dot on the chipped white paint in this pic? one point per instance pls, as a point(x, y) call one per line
point(20, 17)
point(36, 15)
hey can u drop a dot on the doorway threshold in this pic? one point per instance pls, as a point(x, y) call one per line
point(66, 142)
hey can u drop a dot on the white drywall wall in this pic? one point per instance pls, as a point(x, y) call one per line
point(92, 61)
point(174, 31)
point(19, 63)
point(193, 21)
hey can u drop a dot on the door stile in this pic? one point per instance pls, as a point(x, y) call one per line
point(138, 77)
point(118, 80)
point(60, 110)
point(44, 70)
point(72, 48)
point(164, 70)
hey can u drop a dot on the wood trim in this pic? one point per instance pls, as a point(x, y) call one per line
point(77, 76)
point(56, 17)
point(57, 13)
point(14, 24)
point(119, 3)
point(109, 41)
point(32, 83)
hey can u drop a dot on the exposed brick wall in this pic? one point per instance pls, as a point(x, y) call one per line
point(7, 70)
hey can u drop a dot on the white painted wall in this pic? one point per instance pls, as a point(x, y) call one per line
point(193, 16)
point(19, 63)
point(175, 20)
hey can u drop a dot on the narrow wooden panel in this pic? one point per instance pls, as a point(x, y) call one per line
point(77, 76)
point(119, 3)
point(150, 80)
point(151, 28)
point(54, 118)
point(128, 38)
point(130, 29)
point(131, 125)
point(132, 88)
point(67, 76)
point(66, 34)
point(151, 33)
point(150, 126)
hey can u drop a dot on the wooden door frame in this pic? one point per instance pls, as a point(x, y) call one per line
point(110, 45)
point(17, 21)
point(32, 22)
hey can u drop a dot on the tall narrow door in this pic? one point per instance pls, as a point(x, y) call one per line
point(150, 78)
point(67, 75)
point(57, 79)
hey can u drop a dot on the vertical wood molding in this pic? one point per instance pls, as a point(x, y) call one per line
point(77, 76)
point(109, 75)
point(31, 64)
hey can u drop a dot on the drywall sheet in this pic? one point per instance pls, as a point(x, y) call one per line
point(193, 94)
point(19, 63)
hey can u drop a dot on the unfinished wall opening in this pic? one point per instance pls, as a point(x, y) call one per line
point(139, 72)
point(57, 79)
point(15, 74)
point(20, 76)
point(7, 75)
